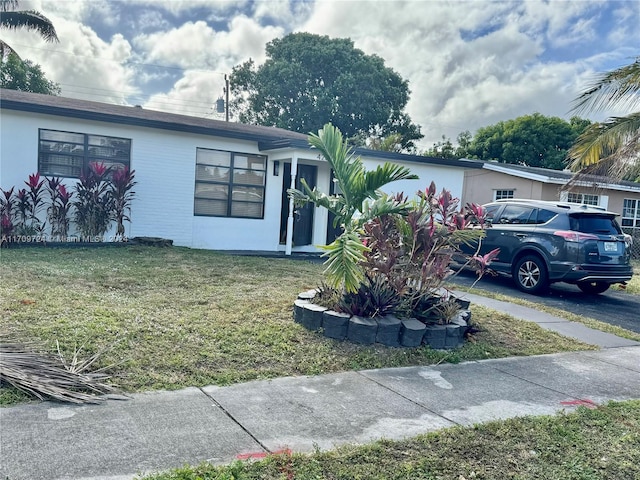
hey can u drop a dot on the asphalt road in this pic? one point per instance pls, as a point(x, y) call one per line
point(614, 307)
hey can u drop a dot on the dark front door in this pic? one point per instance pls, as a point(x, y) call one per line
point(333, 231)
point(302, 216)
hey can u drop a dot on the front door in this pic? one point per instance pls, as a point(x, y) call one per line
point(302, 216)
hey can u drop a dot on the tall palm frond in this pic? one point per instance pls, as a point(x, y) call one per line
point(27, 19)
point(612, 147)
point(343, 258)
point(618, 88)
point(615, 136)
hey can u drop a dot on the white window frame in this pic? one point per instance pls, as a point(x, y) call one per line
point(634, 218)
point(503, 193)
point(584, 199)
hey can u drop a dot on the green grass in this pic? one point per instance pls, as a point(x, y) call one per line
point(599, 444)
point(633, 286)
point(177, 317)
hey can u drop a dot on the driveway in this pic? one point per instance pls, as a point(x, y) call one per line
point(616, 308)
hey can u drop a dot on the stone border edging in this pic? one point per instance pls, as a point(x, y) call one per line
point(388, 330)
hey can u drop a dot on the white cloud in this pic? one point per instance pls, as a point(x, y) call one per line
point(469, 64)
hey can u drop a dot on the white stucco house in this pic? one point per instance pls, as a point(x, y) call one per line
point(202, 183)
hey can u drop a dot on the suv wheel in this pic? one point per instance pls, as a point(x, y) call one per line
point(593, 287)
point(530, 274)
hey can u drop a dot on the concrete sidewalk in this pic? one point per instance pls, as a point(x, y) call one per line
point(161, 430)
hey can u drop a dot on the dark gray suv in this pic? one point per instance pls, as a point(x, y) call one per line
point(544, 242)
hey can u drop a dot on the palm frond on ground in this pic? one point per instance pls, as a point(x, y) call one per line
point(46, 376)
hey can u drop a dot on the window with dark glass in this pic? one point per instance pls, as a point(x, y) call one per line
point(229, 184)
point(503, 194)
point(517, 215)
point(66, 154)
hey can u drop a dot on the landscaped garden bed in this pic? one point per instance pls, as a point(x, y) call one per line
point(388, 330)
point(386, 271)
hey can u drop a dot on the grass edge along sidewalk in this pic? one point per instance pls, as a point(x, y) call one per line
point(600, 442)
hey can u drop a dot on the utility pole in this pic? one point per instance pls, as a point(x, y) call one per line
point(226, 93)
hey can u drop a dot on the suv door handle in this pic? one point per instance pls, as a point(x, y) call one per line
point(521, 235)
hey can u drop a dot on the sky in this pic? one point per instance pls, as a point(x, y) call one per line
point(469, 64)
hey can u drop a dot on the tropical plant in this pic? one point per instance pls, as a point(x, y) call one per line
point(611, 147)
point(360, 200)
point(29, 202)
point(413, 252)
point(7, 210)
point(120, 190)
point(94, 203)
point(374, 298)
point(12, 18)
point(59, 206)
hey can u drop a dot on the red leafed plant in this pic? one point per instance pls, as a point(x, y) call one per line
point(122, 194)
point(412, 253)
point(59, 207)
point(93, 203)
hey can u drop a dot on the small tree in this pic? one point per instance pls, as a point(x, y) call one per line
point(361, 200)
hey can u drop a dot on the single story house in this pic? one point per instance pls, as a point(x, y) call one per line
point(202, 183)
point(495, 181)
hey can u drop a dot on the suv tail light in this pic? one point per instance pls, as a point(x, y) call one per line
point(572, 236)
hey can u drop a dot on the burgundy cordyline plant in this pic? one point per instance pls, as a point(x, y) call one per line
point(7, 210)
point(93, 203)
point(59, 207)
point(29, 203)
point(412, 253)
point(121, 192)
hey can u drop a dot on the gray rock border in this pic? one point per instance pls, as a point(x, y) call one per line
point(389, 330)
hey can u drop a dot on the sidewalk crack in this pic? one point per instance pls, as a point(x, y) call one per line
point(234, 420)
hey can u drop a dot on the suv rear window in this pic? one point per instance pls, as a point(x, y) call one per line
point(596, 224)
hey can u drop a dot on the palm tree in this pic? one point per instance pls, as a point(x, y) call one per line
point(360, 200)
point(29, 19)
point(611, 147)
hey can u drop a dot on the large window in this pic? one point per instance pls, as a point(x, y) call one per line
point(229, 184)
point(631, 213)
point(66, 154)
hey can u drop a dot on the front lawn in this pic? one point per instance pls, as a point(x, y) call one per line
point(599, 444)
point(178, 317)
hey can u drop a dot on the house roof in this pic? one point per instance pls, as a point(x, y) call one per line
point(268, 138)
point(127, 115)
point(560, 177)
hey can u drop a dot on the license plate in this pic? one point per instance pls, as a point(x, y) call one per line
point(610, 246)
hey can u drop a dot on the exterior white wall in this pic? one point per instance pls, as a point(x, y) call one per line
point(164, 163)
point(451, 178)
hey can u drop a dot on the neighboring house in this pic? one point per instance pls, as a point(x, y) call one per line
point(201, 183)
point(500, 180)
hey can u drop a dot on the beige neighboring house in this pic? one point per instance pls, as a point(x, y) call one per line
point(495, 181)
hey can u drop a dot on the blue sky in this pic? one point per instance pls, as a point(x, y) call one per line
point(469, 63)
